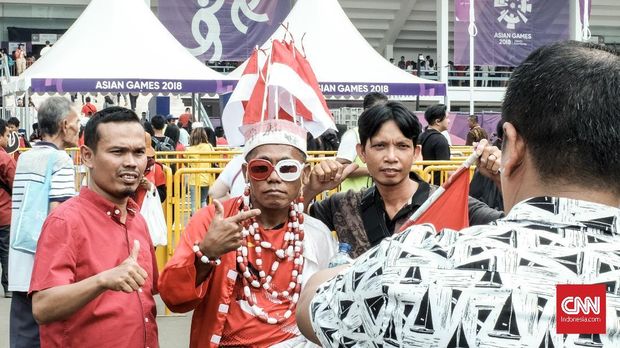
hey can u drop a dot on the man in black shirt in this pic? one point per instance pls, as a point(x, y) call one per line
point(388, 134)
point(435, 146)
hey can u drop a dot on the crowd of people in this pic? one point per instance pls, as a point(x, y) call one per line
point(252, 266)
point(19, 60)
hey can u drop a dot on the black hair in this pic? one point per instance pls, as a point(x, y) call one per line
point(3, 127)
point(87, 99)
point(13, 121)
point(371, 120)
point(158, 122)
point(211, 136)
point(434, 113)
point(473, 118)
point(148, 128)
point(113, 114)
point(219, 131)
point(373, 98)
point(173, 132)
point(564, 101)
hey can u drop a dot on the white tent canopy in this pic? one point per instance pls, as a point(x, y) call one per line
point(119, 46)
point(343, 61)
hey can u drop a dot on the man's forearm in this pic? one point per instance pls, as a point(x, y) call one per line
point(61, 302)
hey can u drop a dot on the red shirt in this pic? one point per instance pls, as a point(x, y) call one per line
point(7, 174)
point(89, 109)
point(242, 328)
point(84, 237)
point(221, 141)
point(184, 119)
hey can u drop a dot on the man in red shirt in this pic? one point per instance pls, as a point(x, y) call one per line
point(95, 272)
point(7, 173)
point(88, 109)
point(185, 118)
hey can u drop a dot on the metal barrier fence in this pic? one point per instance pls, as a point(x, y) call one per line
point(184, 196)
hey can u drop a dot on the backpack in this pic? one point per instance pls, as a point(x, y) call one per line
point(165, 145)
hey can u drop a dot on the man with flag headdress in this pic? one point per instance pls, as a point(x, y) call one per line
point(241, 263)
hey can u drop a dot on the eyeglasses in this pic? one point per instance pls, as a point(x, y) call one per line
point(287, 170)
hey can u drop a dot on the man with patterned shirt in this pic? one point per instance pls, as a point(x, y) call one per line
point(496, 285)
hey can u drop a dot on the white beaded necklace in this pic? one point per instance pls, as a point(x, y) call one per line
point(292, 249)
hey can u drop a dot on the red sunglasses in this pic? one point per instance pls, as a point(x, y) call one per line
point(287, 170)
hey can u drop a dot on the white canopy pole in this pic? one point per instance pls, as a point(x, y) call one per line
point(585, 33)
point(473, 31)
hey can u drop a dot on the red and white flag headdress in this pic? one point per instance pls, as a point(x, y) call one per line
point(285, 88)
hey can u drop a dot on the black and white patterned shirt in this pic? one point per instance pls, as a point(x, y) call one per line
point(485, 286)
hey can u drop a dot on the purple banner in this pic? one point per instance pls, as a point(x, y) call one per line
point(131, 85)
point(222, 29)
point(508, 30)
point(363, 88)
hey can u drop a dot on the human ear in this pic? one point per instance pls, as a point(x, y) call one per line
point(244, 170)
point(513, 150)
point(361, 153)
point(305, 175)
point(87, 155)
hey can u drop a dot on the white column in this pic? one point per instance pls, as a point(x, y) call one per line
point(442, 43)
point(574, 21)
point(389, 52)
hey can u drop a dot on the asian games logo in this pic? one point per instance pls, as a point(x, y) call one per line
point(513, 11)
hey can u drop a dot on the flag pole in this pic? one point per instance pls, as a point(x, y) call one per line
point(264, 106)
point(435, 196)
point(473, 31)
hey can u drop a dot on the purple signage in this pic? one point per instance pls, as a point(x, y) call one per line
point(222, 29)
point(508, 30)
point(131, 85)
point(363, 88)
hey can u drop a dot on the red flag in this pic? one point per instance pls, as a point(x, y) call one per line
point(450, 209)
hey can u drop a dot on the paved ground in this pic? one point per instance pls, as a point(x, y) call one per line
point(173, 329)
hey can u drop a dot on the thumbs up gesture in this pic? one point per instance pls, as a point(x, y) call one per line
point(224, 234)
point(128, 276)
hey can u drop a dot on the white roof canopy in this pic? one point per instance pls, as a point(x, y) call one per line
point(119, 46)
point(343, 61)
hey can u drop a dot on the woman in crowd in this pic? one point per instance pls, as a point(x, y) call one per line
point(199, 142)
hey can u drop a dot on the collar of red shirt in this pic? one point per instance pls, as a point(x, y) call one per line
point(106, 206)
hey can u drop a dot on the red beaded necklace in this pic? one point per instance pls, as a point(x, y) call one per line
point(291, 249)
